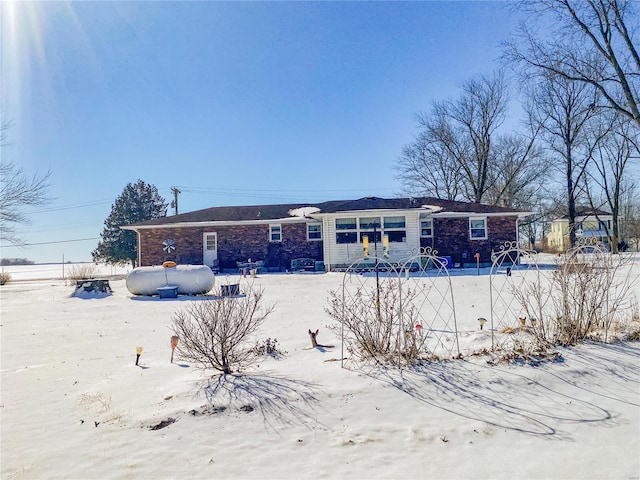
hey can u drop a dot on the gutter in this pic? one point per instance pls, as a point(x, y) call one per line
point(214, 223)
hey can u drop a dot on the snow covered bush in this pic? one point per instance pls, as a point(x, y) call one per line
point(4, 278)
point(214, 333)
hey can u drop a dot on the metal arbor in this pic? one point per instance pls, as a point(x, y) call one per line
point(400, 312)
point(517, 295)
point(427, 286)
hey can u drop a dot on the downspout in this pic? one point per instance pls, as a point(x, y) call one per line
point(518, 239)
point(325, 244)
point(139, 248)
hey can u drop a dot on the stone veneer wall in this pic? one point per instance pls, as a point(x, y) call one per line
point(235, 244)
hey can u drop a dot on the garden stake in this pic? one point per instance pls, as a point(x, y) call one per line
point(138, 353)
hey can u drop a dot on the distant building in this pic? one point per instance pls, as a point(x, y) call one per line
point(331, 232)
point(590, 223)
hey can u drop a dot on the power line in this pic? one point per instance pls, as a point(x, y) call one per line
point(71, 207)
point(50, 243)
point(283, 195)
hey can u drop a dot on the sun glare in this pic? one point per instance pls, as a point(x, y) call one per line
point(22, 45)
point(28, 57)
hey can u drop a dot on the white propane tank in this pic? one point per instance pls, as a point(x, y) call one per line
point(190, 279)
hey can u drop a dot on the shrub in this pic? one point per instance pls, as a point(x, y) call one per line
point(587, 293)
point(368, 322)
point(214, 333)
point(268, 347)
point(83, 271)
point(4, 278)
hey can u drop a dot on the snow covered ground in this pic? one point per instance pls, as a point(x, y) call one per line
point(75, 406)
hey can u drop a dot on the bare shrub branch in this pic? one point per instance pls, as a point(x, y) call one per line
point(373, 323)
point(214, 333)
point(585, 296)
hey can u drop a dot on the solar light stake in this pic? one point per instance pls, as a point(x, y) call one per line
point(482, 321)
point(174, 343)
point(138, 353)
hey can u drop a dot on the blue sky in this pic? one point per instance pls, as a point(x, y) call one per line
point(234, 103)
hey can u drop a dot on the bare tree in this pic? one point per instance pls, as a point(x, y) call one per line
point(427, 168)
point(17, 191)
point(473, 120)
point(631, 216)
point(517, 169)
point(563, 108)
point(616, 148)
point(592, 42)
point(459, 154)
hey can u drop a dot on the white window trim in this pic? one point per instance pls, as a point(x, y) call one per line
point(314, 239)
point(271, 226)
point(355, 230)
point(486, 233)
point(388, 230)
point(426, 220)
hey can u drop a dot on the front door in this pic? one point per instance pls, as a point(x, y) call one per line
point(210, 248)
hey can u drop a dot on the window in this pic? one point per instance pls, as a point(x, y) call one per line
point(394, 222)
point(377, 238)
point(345, 223)
point(368, 223)
point(426, 227)
point(346, 230)
point(346, 237)
point(478, 228)
point(395, 229)
point(367, 226)
point(314, 231)
point(275, 233)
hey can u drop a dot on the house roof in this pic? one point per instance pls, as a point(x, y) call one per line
point(586, 212)
point(280, 211)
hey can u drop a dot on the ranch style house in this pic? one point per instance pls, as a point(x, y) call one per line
point(330, 235)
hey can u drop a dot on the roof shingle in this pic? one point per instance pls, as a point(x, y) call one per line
point(273, 212)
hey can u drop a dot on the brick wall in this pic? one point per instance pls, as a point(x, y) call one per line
point(235, 244)
point(452, 238)
point(188, 246)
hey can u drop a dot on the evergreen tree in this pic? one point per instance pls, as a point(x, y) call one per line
point(137, 202)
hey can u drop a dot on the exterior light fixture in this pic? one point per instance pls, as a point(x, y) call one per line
point(138, 353)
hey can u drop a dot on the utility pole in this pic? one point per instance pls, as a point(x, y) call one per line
point(174, 204)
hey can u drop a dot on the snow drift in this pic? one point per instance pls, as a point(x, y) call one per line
point(190, 279)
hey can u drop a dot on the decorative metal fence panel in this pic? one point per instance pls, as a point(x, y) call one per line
point(427, 287)
point(398, 312)
point(515, 280)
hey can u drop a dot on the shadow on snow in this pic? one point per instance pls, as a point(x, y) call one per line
point(285, 400)
point(531, 400)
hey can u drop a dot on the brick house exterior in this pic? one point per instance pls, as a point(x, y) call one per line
point(331, 232)
point(453, 239)
point(235, 244)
